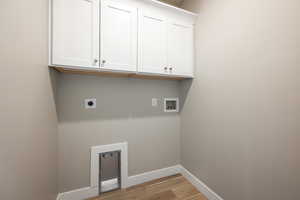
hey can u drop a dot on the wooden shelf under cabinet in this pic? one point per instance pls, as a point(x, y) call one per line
point(115, 74)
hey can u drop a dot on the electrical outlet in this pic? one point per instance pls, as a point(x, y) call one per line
point(154, 102)
point(90, 103)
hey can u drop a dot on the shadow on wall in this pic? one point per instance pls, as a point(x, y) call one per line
point(116, 97)
point(184, 88)
point(53, 78)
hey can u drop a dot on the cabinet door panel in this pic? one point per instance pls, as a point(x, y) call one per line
point(118, 36)
point(75, 33)
point(152, 43)
point(180, 49)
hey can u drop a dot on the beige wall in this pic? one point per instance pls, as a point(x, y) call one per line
point(28, 134)
point(124, 113)
point(240, 122)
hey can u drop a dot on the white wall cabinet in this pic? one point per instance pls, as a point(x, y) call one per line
point(180, 49)
point(75, 33)
point(131, 36)
point(152, 43)
point(118, 36)
point(165, 47)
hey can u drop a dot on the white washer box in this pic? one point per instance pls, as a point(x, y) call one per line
point(171, 105)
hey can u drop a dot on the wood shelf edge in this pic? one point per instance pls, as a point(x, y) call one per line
point(115, 74)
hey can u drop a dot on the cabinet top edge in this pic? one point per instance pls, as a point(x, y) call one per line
point(162, 4)
point(172, 7)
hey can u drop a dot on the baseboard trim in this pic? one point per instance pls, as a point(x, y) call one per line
point(89, 192)
point(79, 194)
point(152, 175)
point(202, 187)
point(58, 196)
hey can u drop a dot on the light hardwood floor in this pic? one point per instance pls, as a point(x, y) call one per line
point(170, 188)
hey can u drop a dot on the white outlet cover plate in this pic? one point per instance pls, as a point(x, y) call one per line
point(154, 102)
point(87, 106)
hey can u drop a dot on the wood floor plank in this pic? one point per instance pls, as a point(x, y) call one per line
point(169, 188)
point(185, 190)
point(198, 196)
point(165, 195)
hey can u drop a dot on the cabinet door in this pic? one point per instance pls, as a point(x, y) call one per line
point(181, 49)
point(152, 43)
point(118, 36)
point(75, 33)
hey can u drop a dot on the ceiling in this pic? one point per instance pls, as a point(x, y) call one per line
point(173, 2)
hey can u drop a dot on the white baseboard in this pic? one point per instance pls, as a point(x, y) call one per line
point(79, 194)
point(152, 175)
point(204, 189)
point(58, 197)
point(89, 192)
